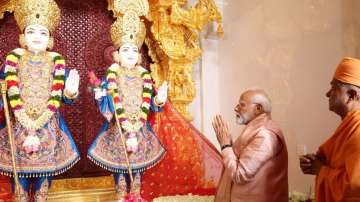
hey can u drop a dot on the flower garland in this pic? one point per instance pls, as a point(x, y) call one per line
point(16, 103)
point(111, 76)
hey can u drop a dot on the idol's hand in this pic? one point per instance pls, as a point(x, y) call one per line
point(72, 83)
point(32, 142)
point(99, 93)
point(132, 143)
point(162, 94)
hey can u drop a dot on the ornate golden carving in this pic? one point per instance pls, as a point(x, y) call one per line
point(6, 6)
point(174, 45)
point(204, 12)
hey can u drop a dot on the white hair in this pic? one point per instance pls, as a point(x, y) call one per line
point(260, 97)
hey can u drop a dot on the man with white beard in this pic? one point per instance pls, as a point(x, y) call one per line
point(256, 163)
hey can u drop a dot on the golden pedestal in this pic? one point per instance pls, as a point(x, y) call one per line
point(95, 189)
point(100, 189)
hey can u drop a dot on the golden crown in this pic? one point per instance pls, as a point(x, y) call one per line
point(128, 28)
point(42, 12)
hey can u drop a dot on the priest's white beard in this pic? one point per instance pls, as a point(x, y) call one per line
point(242, 119)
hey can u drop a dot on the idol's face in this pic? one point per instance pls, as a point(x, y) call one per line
point(128, 55)
point(338, 97)
point(36, 38)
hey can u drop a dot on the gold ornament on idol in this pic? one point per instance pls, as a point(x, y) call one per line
point(130, 84)
point(41, 12)
point(128, 27)
point(35, 69)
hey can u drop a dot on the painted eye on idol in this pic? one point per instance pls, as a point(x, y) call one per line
point(44, 34)
point(29, 31)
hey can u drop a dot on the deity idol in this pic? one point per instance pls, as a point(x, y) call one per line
point(37, 82)
point(167, 156)
point(128, 92)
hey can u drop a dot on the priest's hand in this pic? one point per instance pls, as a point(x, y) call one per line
point(311, 164)
point(222, 131)
point(72, 84)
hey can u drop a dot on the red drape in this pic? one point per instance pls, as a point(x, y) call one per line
point(191, 164)
point(5, 194)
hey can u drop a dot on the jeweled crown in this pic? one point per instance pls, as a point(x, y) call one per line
point(42, 12)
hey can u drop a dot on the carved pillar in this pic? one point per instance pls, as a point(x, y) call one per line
point(175, 30)
point(182, 88)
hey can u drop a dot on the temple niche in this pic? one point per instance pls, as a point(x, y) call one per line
point(83, 38)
